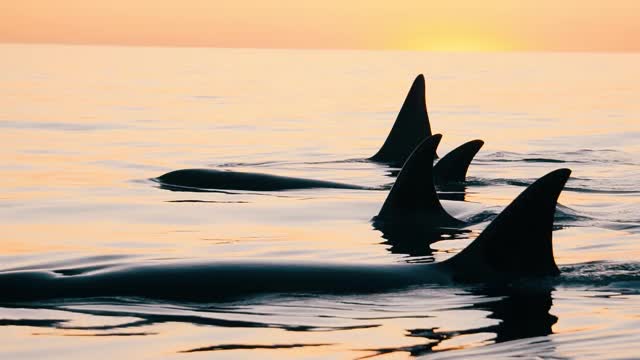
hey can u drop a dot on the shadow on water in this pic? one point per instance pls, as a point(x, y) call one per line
point(522, 313)
point(414, 239)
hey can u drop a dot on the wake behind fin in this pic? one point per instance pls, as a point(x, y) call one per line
point(410, 128)
point(517, 243)
point(453, 166)
point(413, 196)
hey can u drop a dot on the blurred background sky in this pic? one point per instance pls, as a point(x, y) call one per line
point(459, 25)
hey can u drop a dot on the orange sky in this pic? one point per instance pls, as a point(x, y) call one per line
point(454, 25)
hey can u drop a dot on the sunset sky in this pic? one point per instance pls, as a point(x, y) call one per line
point(462, 25)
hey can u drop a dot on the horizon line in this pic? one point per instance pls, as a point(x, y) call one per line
point(477, 51)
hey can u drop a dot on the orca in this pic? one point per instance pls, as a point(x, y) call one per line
point(451, 169)
point(412, 216)
point(210, 179)
point(409, 130)
point(411, 127)
point(413, 197)
point(517, 244)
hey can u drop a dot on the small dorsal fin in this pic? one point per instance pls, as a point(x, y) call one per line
point(453, 166)
point(517, 243)
point(411, 127)
point(413, 196)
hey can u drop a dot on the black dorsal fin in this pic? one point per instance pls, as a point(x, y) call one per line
point(411, 127)
point(453, 167)
point(413, 196)
point(517, 243)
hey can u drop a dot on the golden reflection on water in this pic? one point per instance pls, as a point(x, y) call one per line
point(84, 128)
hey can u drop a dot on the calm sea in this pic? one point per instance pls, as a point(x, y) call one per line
point(84, 128)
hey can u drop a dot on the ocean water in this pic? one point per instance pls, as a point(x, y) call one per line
point(83, 129)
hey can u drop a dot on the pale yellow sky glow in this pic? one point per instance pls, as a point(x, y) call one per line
point(462, 25)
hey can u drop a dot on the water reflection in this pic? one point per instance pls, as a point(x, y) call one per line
point(250, 347)
point(521, 312)
point(453, 192)
point(415, 239)
point(393, 172)
point(139, 316)
point(432, 320)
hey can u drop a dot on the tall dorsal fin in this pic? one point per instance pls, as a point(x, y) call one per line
point(517, 243)
point(411, 127)
point(453, 166)
point(413, 196)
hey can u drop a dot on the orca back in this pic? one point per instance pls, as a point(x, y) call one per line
point(413, 196)
point(452, 168)
point(517, 243)
point(410, 128)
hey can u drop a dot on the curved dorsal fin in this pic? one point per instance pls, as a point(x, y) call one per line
point(453, 166)
point(411, 127)
point(517, 243)
point(414, 194)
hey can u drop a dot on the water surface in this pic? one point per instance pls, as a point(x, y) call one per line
point(84, 128)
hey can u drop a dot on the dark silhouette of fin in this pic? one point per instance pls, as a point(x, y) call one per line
point(453, 167)
point(518, 242)
point(413, 197)
point(411, 127)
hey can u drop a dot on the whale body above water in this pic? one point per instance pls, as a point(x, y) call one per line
point(516, 244)
point(452, 168)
